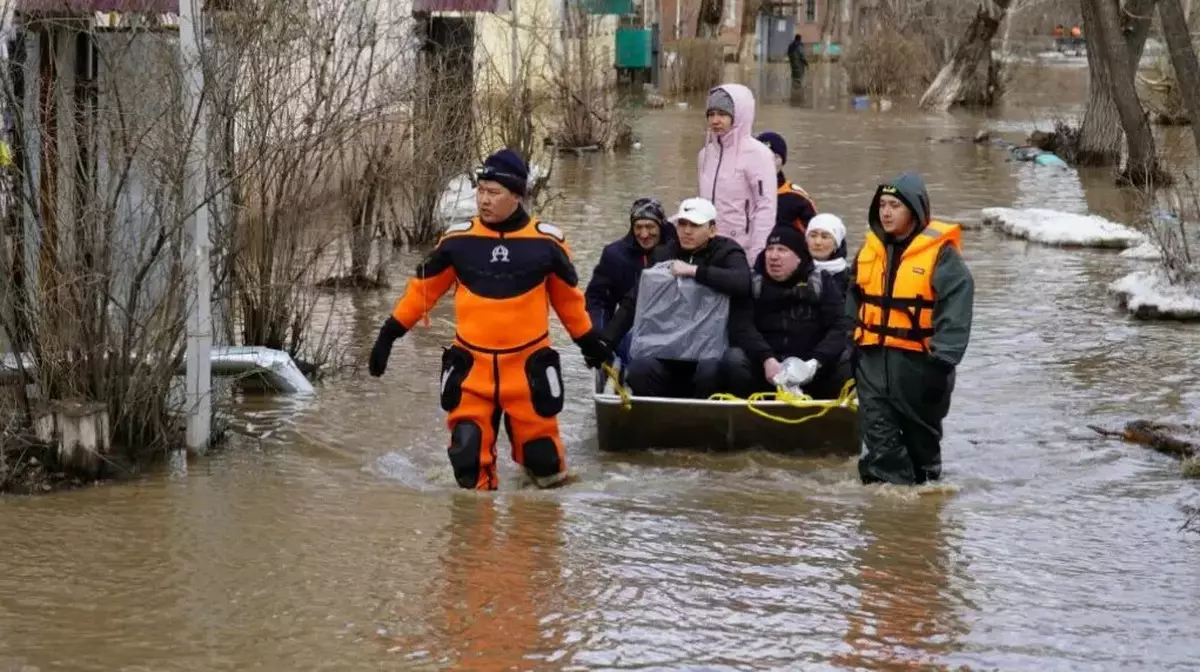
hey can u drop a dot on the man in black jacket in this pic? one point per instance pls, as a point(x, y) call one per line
point(798, 311)
point(714, 261)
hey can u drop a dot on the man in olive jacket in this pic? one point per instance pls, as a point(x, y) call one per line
point(911, 298)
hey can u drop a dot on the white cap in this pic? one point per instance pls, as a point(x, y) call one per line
point(695, 210)
point(831, 224)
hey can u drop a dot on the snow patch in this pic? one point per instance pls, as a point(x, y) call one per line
point(457, 201)
point(1150, 295)
point(1051, 227)
point(1147, 251)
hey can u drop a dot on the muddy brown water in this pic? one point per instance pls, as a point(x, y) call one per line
point(331, 536)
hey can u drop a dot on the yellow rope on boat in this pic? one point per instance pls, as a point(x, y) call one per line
point(848, 398)
point(626, 402)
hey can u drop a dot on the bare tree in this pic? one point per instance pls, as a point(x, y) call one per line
point(307, 82)
point(973, 55)
point(99, 158)
point(708, 23)
point(1110, 48)
point(1101, 135)
point(587, 109)
point(749, 27)
point(99, 155)
point(1183, 58)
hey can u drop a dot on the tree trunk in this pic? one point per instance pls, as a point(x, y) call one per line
point(950, 84)
point(1100, 135)
point(749, 28)
point(853, 30)
point(1183, 59)
point(1142, 165)
point(827, 18)
point(708, 22)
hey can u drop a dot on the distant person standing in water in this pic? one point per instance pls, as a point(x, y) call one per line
point(796, 58)
point(912, 298)
point(735, 171)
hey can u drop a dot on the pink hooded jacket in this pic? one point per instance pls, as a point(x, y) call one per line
point(737, 173)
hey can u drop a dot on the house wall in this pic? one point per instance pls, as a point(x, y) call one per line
point(364, 65)
point(114, 211)
point(540, 43)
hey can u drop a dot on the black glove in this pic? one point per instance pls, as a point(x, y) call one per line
point(388, 333)
point(596, 351)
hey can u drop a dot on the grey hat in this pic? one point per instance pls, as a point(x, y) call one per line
point(719, 100)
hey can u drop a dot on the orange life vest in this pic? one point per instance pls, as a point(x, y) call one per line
point(1075, 31)
point(793, 188)
point(900, 316)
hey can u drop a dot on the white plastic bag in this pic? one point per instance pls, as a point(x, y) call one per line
point(796, 374)
point(678, 318)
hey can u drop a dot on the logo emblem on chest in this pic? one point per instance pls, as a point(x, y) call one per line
point(500, 254)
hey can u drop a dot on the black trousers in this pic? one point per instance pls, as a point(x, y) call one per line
point(744, 377)
point(649, 377)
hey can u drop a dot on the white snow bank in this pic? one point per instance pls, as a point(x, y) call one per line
point(457, 202)
point(1051, 227)
point(1147, 251)
point(1150, 295)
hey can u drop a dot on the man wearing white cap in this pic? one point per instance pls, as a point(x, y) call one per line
point(713, 261)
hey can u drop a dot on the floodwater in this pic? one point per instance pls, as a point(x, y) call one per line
point(331, 536)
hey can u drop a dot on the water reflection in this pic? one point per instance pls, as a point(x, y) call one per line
point(904, 618)
point(500, 572)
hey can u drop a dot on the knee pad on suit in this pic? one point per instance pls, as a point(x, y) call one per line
point(541, 457)
point(466, 440)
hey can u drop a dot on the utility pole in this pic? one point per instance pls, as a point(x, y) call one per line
point(199, 295)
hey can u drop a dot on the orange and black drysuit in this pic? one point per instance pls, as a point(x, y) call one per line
point(501, 365)
point(794, 207)
point(912, 301)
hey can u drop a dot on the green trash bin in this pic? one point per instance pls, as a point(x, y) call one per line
point(633, 48)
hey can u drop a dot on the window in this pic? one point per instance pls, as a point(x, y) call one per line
point(810, 11)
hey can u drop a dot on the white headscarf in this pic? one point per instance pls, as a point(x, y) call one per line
point(833, 225)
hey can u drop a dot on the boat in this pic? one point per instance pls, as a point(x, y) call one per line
point(632, 423)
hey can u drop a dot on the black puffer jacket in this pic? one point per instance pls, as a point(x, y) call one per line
point(803, 316)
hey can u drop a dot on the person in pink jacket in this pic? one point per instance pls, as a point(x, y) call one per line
point(736, 171)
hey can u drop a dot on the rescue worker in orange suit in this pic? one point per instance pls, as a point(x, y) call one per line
point(912, 298)
point(508, 268)
point(793, 206)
